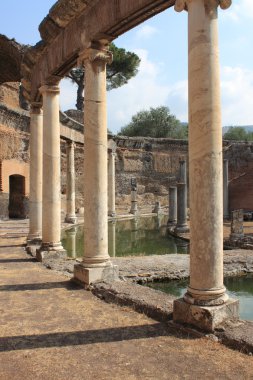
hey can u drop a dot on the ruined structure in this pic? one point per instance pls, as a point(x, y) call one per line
point(78, 32)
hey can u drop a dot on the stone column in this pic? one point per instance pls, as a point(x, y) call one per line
point(206, 302)
point(111, 183)
point(70, 193)
point(35, 197)
point(134, 207)
point(225, 190)
point(1, 177)
point(157, 209)
point(172, 205)
point(96, 263)
point(182, 225)
point(51, 210)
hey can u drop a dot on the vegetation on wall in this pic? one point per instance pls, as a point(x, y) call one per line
point(156, 122)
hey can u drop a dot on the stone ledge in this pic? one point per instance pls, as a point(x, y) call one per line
point(153, 303)
point(236, 334)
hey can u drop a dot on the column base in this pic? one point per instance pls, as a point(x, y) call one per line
point(32, 246)
point(182, 229)
point(206, 318)
point(50, 250)
point(70, 219)
point(87, 276)
point(171, 223)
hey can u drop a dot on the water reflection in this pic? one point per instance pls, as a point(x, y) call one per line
point(237, 287)
point(71, 242)
point(132, 237)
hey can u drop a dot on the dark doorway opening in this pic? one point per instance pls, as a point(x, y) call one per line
point(17, 196)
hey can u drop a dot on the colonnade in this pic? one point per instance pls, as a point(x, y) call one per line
point(206, 302)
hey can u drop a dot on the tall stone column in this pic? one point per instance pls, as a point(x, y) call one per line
point(182, 225)
point(70, 192)
point(35, 197)
point(96, 263)
point(111, 183)
point(206, 303)
point(225, 190)
point(172, 205)
point(134, 206)
point(51, 211)
point(1, 177)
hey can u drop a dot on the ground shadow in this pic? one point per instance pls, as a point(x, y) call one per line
point(63, 339)
point(32, 260)
point(69, 285)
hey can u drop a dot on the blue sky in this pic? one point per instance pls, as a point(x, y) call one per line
point(161, 42)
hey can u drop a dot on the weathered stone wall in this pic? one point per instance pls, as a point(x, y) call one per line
point(240, 156)
point(9, 94)
point(154, 163)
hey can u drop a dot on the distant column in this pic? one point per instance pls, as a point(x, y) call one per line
point(70, 192)
point(225, 190)
point(182, 225)
point(172, 205)
point(111, 183)
point(134, 207)
point(51, 210)
point(1, 177)
point(35, 196)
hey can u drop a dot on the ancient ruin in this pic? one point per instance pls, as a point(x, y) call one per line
point(78, 33)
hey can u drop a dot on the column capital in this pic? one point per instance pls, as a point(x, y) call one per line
point(70, 143)
point(36, 108)
point(181, 5)
point(95, 54)
point(54, 89)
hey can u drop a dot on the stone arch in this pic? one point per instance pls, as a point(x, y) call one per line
point(17, 196)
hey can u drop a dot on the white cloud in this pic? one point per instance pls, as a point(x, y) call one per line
point(237, 95)
point(140, 93)
point(239, 10)
point(145, 31)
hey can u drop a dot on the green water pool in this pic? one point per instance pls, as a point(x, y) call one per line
point(130, 237)
point(237, 287)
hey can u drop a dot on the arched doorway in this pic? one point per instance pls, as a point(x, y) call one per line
point(17, 196)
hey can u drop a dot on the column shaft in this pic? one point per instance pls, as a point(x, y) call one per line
point(111, 184)
point(172, 205)
point(182, 225)
point(70, 191)
point(225, 190)
point(35, 197)
point(205, 155)
point(51, 212)
point(95, 161)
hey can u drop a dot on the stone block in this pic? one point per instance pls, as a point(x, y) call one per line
point(42, 255)
point(204, 317)
point(87, 276)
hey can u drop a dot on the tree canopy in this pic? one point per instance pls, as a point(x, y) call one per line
point(124, 66)
point(238, 134)
point(156, 122)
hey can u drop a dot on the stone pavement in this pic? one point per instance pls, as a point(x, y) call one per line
point(53, 329)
